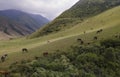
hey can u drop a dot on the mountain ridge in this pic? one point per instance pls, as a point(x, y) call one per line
point(82, 10)
point(19, 23)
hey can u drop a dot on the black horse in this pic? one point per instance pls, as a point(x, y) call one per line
point(3, 58)
point(95, 38)
point(24, 50)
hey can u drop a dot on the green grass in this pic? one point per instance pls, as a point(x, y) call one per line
point(82, 10)
point(88, 8)
point(109, 21)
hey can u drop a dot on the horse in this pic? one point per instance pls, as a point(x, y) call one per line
point(5, 55)
point(45, 53)
point(3, 58)
point(5, 73)
point(95, 38)
point(24, 50)
point(79, 39)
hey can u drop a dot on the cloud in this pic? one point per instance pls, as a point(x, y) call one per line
point(47, 8)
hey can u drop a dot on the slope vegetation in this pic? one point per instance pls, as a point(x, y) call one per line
point(80, 61)
point(80, 12)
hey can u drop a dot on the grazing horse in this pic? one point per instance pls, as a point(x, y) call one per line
point(116, 36)
point(45, 53)
point(99, 31)
point(88, 43)
point(3, 58)
point(5, 55)
point(79, 39)
point(84, 32)
point(95, 38)
point(82, 42)
point(48, 41)
point(36, 58)
point(5, 73)
point(24, 50)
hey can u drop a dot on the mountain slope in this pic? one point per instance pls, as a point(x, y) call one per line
point(77, 14)
point(87, 8)
point(109, 21)
point(15, 23)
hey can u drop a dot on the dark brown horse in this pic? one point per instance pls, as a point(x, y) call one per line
point(3, 58)
point(95, 38)
point(6, 55)
point(45, 53)
point(99, 31)
point(5, 73)
point(24, 50)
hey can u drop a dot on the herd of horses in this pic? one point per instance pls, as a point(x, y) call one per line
point(24, 50)
point(4, 57)
point(117, 35)
point(94, 38)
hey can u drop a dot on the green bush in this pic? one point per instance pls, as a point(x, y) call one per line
point(81, 61)
point(111, 43)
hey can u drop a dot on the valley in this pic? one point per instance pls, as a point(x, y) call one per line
point(84, 41)
point(63, 39)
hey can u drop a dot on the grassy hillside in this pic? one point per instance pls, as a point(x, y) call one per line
point(109, 21)
point(87, 8)
point(106, 19)
point(75, 15)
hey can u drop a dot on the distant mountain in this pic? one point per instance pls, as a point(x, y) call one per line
point(18, 23)
point(81, 11)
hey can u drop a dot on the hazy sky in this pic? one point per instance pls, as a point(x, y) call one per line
point(47, 8)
